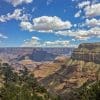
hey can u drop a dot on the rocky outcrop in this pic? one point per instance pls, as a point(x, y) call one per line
point(39, 55)
point(89, 52)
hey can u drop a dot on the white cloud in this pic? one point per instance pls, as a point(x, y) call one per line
point(26, 26)
point(78, 13)
point(92, 10)
point(18, 2)
point(50, 23)
point(17, 15)
point(81, 34)
point(82, 37)
point(3, 36)
point(35, 38)
point(36, 42)
point(93, 22)
point(78, 34)
point(57, 26)
point(57, 43)
point(46, 24)
point(95, 31)
point(83, 4)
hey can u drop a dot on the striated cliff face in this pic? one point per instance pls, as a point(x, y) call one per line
point(74, 72)
point(89, 52)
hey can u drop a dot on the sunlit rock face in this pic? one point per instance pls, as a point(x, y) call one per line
point(87, 52)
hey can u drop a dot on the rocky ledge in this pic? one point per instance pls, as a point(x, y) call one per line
point(89, 52)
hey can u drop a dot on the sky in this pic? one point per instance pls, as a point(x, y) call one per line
point(49, 23)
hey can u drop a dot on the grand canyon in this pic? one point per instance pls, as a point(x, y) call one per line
point(49, 49)
point(60, 70)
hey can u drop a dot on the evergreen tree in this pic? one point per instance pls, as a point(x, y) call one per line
point(88, 92)
point(21, 86)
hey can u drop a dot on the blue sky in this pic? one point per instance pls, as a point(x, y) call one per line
point(49, 23)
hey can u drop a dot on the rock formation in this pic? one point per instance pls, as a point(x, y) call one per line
point(82, 67)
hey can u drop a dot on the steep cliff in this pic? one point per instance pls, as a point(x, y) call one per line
point(87, 52)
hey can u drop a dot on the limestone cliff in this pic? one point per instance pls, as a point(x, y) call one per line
point(87, 52)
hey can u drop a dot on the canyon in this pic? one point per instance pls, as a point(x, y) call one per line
point(60, 70)
point(62, 77)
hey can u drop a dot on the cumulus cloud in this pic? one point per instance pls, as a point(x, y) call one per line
point(36, 42)
point(18, 2)
point(78, 34)
point(46, 24)
point(17, 15)
point(92, 22)
point(57, 43)
point(57, 26)
point(82, 37)
point(95, 31)
point(26, 26)
point(92, 10)
point(81, 34)
point(83, 4)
